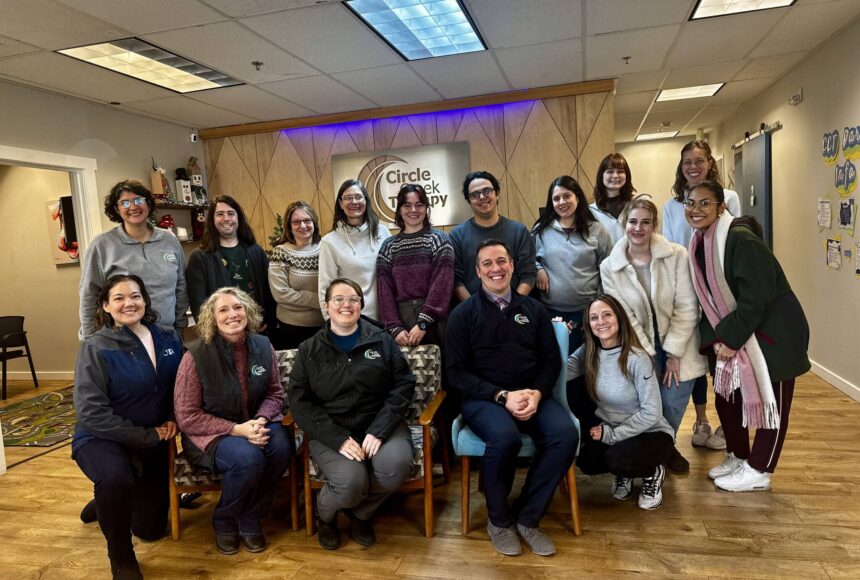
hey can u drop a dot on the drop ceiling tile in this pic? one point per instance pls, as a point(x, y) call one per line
point(713, 114)
point(241, 8)
point(647, 49)
point(507, 23)
point(462, 75)
point(51, 25)
point(631, 103)
point(320, 94)
point(616, 15)
point(9, 47)
point(770, 66)
point(638, 82)
point(389, 85)
point(192, 113)
point(691, 105)
point(703, 75)
point(71, 76)
point(741, 91)
point(252, 102)
point(328, 37)
point(561, 62)
point(805, 27)
point(721, 39)
point(143, 16)
point(230, 48)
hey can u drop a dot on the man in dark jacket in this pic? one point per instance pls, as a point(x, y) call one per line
point(228, 255)
point(501, 352)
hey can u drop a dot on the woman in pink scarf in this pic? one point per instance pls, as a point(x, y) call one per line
point(754, 332)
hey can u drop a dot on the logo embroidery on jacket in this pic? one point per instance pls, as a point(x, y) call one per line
point(169, 257)
point(168, 352)
point(371, 354)
point(521, 319)
point(258, 370)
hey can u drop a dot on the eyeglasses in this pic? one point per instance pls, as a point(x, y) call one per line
point(127, 203)
point(413, 206)
point(352, 198)
point(304, 222)
point(704, 204)
point(479, 193)
point(339, 300)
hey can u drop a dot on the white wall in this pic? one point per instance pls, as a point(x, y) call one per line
point(831, 100)
point(653, 165)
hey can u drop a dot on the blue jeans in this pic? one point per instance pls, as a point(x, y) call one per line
point(250, 476)
point(556, 442)
point(675, 398)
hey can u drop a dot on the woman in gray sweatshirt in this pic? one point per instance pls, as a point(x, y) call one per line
point(633, 439)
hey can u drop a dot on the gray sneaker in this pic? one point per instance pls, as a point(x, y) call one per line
point(701, 433)
point(505, 540)
point(537, 541)
point(717, 441)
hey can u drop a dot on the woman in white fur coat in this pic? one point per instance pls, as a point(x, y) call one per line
point(651, 278)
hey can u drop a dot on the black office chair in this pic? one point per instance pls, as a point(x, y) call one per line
point(13, 335)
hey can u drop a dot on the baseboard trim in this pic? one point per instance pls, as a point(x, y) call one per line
point(43, 375)
point(843, 385)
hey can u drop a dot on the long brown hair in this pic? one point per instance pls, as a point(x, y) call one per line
point(613, 161)
point(628, 342)
point(680, 187)
point(288, 235)
point(210, 242)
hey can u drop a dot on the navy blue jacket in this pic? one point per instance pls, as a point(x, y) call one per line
point(119, 395)
point(488, 350)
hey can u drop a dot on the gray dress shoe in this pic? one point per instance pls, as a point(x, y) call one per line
point(537, 541)
point(505, 540)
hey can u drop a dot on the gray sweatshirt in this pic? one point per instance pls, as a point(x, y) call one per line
point(625, 407)
point(159, 262)
point(572, 264)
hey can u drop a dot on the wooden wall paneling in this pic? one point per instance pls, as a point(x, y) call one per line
point(563, 113)
point(516, 115)
point(323, 139)
point(233, 178)
point(258, 220)
point(303, 143)
point(520, 206)
point(600, 142)
point(588, 108)
point(362, 134)
point(287, 179)
point(492, 120)
point(405, 136)
point(383, 133)
point(323, 202)
point(425, 127)
point(482, 154)
point(447, 125)
point(266, 143)
point(246, 146)
point(211, 151)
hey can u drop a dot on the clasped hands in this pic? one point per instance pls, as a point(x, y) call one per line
point(411, 337)
point(167, 431)
point(523, 404)
point(368, 448)
point(723, 351)
point(254, 430)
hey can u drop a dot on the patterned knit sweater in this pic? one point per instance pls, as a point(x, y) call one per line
point(293, 278)
point(418, 266)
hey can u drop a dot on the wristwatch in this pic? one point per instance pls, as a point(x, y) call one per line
point(422, 325)
point(502, 399)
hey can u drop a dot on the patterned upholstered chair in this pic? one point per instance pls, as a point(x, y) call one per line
point(467, 445)
point(426, 364)
point(185, 477)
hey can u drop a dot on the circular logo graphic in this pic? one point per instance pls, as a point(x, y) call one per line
point(371, 175)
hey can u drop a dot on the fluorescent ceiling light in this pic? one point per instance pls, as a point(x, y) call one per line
point(712, 8)
point(689, 92)
point(653, 136)
point(420, 28)
point(141, 60)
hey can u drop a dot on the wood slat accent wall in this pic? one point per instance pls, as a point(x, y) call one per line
point(525, 144)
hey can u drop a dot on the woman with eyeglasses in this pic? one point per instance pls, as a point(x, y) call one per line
point(294, 275)
point(613, 190)
point(415, 273)
point(134, 247)
point(650, 277)
point(754, 332)
point(696, 165)
point(350, 390)
point(350, 249)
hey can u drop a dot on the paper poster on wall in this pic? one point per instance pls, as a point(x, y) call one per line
point(851, 142)
point(857, 262)
point(847, 215)
point(830, 147)
point(834, 254)
point(845, 178)
point(824, 214)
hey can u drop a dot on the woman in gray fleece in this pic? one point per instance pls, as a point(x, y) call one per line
point(633, 439)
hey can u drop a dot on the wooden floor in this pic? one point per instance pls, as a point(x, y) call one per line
point(807, 527)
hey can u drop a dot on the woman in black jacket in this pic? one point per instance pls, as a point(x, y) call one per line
point(350, 390)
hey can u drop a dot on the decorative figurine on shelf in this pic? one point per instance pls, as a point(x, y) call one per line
point(166, 222)
point(158, 180)
point(198, 222)
point(198, 190)
point(183, 186)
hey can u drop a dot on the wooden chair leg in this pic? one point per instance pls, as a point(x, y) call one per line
point(428, 482)
point(464, 493)
point(174, 493)
point(294, 494)
point(443, 441)
point(574, 501)
point(309, 493)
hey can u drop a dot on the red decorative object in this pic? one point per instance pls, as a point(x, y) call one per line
point(166, 222)
point(198, 222)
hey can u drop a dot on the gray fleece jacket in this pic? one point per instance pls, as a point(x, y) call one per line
point(159, 262)
point(626, 407)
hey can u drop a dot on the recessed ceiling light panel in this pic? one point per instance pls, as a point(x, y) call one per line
point(696, 92)
point(135, 58)
point(712, 8)
point(655, 136)
point(420, 29)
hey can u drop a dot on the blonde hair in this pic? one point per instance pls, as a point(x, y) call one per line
point(207, 328)
point(641, 201)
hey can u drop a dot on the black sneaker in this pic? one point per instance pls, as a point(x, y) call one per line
point(677, 463)
point(126, 570)
point(254, 543)
point(227, 544)
point(328, 534)
point(362, 530)
point(88, 514)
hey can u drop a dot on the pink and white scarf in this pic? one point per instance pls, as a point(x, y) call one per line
point(747, 370)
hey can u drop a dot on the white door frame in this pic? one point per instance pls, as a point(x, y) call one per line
point(82, 174)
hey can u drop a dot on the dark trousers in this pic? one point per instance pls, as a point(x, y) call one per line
point(250, 476)
point(130, 490)
point(767, 443)
point(700, 390)
point(634, 457)
point(556, 442)
point(288, 336)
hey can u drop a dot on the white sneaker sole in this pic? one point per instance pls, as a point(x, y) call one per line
point(758, 487)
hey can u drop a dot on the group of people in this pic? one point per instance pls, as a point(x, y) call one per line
point(649, 315)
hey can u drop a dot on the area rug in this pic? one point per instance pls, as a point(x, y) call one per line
point(39, 422)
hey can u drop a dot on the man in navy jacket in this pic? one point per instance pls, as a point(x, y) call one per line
point(501, 352)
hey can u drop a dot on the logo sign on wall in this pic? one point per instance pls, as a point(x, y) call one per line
point(440, 169)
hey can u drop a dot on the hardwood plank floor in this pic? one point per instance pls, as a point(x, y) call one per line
point(808, 526)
